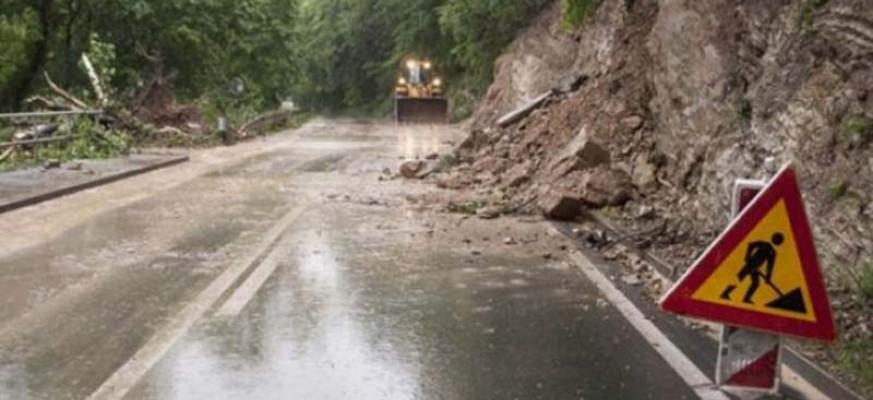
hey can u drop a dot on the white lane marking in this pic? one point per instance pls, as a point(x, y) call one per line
point(129, 374)
point(693, 376)
point(246, 292)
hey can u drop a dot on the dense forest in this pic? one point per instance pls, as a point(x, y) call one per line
point(326, 55)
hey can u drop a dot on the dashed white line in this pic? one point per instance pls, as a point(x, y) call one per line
point(128, 375)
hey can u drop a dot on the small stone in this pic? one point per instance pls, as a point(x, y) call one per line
point(76, 166)
point(432, 156)
point(547, 256)
point(509, 241)
point(632, 280)
point(52, 164)
point(488, 213)
point(410, 169)
point(633, 122)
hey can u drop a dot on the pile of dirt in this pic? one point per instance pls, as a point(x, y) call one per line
point(168, 121)
point(655, 108)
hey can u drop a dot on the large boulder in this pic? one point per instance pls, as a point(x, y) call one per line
point(582, 153)
point(560, 205)
point(606, 187)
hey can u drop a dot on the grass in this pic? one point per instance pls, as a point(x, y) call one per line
point(857, 128)
point(576, 12)
point(807, 14)
point(854, 358)
point(865, 283)
point(744, 109)
point(469, 207)
point(838, 189)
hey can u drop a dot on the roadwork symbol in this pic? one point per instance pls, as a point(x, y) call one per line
point(758, 255)
point(762, 272)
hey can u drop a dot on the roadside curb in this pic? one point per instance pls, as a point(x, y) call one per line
point(68, 190)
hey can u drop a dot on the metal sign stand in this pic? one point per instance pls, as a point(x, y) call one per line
point(748, 361)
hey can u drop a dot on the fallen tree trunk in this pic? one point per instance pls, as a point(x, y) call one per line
point(79, 105)
point(524, 111)
point(262, 119)
point(95, 80)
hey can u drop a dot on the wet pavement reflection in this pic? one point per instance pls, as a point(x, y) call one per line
point(368, 306)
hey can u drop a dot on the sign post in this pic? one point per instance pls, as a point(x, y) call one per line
point(747, 360)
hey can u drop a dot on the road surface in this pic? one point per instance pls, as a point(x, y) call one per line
point(287, 269)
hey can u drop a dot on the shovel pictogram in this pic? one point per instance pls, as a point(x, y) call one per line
point(792, 301)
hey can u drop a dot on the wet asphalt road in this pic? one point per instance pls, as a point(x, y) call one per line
point(375, 294)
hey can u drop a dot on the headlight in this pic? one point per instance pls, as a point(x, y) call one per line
point(437, 82)
point(427, 65)
point(411, 64)
point(401, 81)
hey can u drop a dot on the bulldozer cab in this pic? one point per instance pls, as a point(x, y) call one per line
point(418, 95)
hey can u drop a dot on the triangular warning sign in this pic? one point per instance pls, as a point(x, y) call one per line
point(762, 272)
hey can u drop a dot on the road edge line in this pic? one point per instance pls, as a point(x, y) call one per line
point(68, 190)
point(713, 332)
point(702, 386)
point(128, 375)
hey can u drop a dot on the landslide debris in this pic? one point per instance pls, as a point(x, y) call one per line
point(654, 108)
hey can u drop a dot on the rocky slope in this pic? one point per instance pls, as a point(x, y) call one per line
point(656, 107)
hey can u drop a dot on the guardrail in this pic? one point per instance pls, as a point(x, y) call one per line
point(48, 114)
point(8, 148)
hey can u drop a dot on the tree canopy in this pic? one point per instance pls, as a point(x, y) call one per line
point(326, 54)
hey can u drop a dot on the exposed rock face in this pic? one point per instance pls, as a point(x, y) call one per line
point(681, 98)
point(657, 107)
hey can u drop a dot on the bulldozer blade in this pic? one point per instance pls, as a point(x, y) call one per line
point(421, 110)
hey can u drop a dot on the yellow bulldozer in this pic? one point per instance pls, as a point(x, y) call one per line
point(418, 95)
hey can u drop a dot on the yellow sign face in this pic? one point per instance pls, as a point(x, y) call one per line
point(764, 273)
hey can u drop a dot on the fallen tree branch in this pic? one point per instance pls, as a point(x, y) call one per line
point(77, 104)
point(262, 119)
point(95, 80)
point(7, 153)
point(524, 111)
point(44, 103)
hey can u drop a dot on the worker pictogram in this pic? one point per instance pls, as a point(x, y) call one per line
point(762, 272)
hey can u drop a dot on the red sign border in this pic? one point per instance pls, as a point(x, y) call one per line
point(783, 187)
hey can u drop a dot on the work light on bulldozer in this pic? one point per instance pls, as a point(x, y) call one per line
point(418, 95)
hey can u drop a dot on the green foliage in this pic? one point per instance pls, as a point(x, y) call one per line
point(468, 207)
point(807, 11)
point(90, 140)
point(838, 189)
point(857, 128)
point(744, 109)
point(854, 357)
point(329, 55)
point(102, 56)
point(575, 12)
point(16, 33)
point(865, 283)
